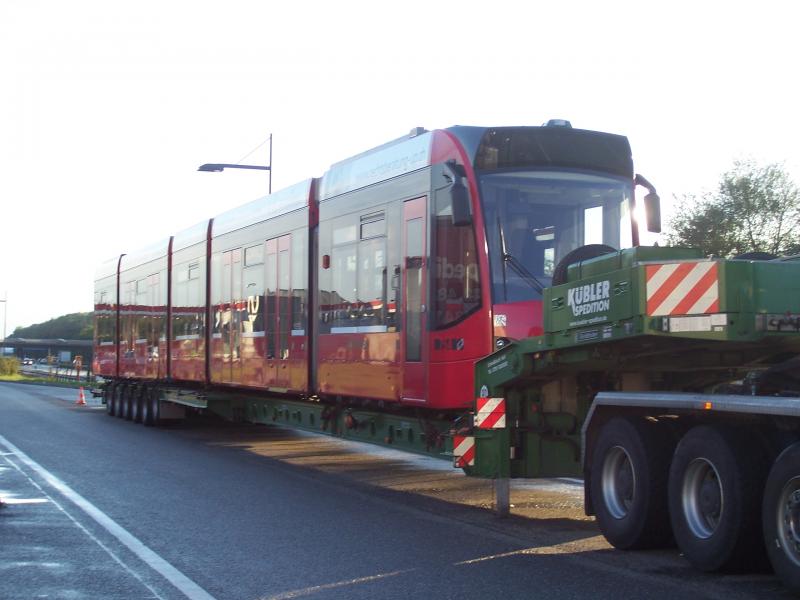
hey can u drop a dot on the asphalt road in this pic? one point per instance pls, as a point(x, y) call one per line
point(97, 507)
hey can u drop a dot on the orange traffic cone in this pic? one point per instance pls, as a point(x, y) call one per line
point(81, 401)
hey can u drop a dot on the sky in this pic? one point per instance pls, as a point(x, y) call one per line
point(107, 107)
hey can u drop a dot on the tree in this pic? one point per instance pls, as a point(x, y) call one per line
point(755, 209)
point(75, 326)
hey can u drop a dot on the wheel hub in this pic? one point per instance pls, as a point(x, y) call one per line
point(702, 498)
point(710, 499)
point(789, 519)
point(625, 481)
point(619, 482)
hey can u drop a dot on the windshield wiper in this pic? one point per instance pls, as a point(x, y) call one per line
point(515, 264)
point(503, 254)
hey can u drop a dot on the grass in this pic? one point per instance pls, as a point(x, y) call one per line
point(16, 377)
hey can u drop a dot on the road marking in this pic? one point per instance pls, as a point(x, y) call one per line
point(80, 526)
point(572, 548)
point(188, 587)
point(331, 586)
point(7, 500)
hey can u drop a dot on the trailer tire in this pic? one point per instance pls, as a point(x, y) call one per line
point(146, 411)
point(150, 407)
point(578, 254)
point(118, 390)
point(714, 499)
point(629, 484)
point(781, 517)
point(110, 392)
point(137, 398)
point(127, 401)
point(122, 390)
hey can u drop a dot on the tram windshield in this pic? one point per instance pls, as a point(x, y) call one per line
point(535, 218)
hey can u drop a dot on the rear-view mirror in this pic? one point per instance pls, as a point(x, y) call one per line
point(652, 209)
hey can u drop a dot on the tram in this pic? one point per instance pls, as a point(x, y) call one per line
point(383, 281)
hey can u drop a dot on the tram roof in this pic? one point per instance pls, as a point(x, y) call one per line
point(395, 158)
point(144, 255)
point(262, 209)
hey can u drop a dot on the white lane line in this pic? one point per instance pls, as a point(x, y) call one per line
point(77, 524)
point(188, 587)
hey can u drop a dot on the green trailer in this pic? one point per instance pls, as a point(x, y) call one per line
point(671, 383)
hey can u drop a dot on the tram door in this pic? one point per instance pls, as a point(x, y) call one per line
point(231, 315)
point(414, 286)
point(278, 323)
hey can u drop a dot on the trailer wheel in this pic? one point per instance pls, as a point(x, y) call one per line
point(110, 392)
point(714, 495)
point(781, 517)
point(629, 484)
point(120, 395)
point(139, 393)
point(150, 407)
point(146, 410)
point(128, 393)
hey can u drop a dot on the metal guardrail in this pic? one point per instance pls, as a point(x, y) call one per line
point(58, 373)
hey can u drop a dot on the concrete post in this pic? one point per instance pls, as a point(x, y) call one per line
point(502, 496)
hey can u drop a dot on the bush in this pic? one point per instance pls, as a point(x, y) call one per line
point(9, 366)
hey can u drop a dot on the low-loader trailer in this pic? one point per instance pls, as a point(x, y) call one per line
point(458, 292)
point(671, 383)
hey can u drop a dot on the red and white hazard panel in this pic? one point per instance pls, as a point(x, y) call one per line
point(463, 451)
point(686, 288)
point(491, 413)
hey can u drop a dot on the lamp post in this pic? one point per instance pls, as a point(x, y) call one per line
point(5, 315)
point(217, 167)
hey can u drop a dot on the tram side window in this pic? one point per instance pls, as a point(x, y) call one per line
point(195, 297)
point(360, 294)
point(456, 279)
point(150, 323)
point(372, 282)
point(187, 302)
point(372, 273)
point(271, 297)
point(343, 292)
point(299, 281)
point(142, 311)
point(216, 293)
point(127, 319)
point(105, 321)
point(158, 299)
point(284, 306)
point(254, 289)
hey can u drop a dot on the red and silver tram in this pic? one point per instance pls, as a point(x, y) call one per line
point(384, 280)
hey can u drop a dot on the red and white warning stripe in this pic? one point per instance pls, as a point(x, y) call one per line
point(463, 451)
point(686, 288)
point(491, 413)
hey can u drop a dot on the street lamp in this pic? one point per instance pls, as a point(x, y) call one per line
point(217, 167)
point(5, 315)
